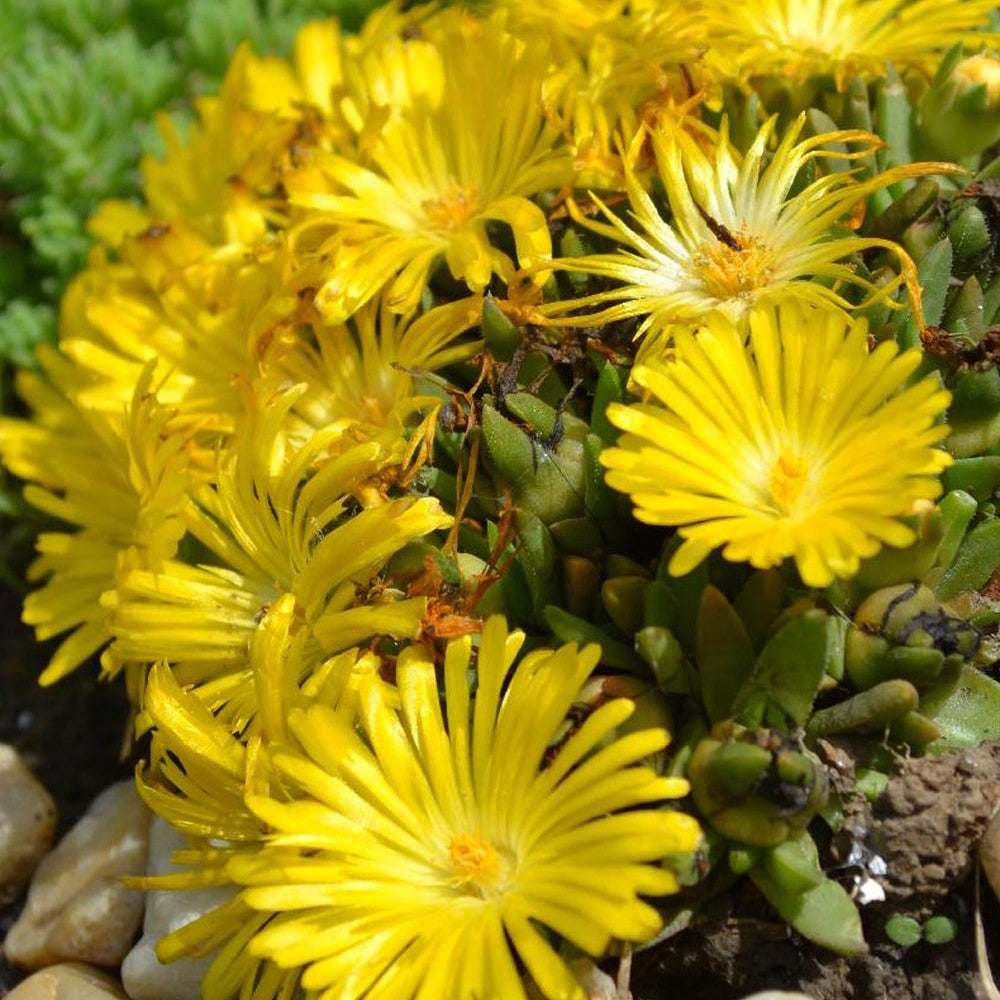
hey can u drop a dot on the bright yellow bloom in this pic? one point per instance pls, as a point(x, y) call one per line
point(614, 65)
point(844, 38)
point(737, 236)
point(471, 148)
point(173, 300)
point(122, 484)
point(199, 775)
point(362, 371)
point(805, 446)
point(419, 859)
point(221, 178)
point(278, 520)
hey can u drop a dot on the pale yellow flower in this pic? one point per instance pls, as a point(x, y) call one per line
point(737, 235)
point(277, 520)
point(615, 66)
point(122, 484)
point(362, 371)
point(174, 301)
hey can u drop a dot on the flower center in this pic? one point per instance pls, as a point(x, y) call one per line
point(732, 266)
point(452, 210)
point(478, 868)
point(788, 482)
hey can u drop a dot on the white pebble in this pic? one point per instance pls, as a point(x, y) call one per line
point(77, 909)
point(69, 981)
point(143, 975)
point(27, 823)
point(778, 995)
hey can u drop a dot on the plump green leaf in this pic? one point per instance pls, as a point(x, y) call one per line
point(723, 653)
point(825, 913)
point(977, 559)
point(968, 714)
point(568, 628)
point(789, 669)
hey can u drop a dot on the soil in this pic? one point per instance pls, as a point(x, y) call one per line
point(919, 842)
point(925, 827)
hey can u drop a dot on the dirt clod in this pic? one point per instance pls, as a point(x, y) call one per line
point(925, 828)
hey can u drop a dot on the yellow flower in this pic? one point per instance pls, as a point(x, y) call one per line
point(844, 38)
point(614, 65)
point(122, 484)
point(362, 371)
point(199, 775)
point(420, 858)
point(471, 148)
point(221, 178)
point(173, 300)
point(806, 446)
point(737, 236)
point(278, 520)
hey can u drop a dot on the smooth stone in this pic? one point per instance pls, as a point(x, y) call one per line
point(989, 852)
point(27, 823)
point(144, 976)
point(778, 995)
point(77, 909)
point(68, 981)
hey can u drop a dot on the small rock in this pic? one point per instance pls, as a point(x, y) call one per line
point(68, 981)
point(143, 975)
point(989, 852)
point(778, 995)
point(27, 823)
point(77, 908)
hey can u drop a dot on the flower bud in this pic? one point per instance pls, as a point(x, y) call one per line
point(755, 786)
point(903, 632)
point(959, 115)
point(544, 475)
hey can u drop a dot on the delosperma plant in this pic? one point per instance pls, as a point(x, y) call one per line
point(497, 448)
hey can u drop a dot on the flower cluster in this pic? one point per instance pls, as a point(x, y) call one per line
point(277, 440)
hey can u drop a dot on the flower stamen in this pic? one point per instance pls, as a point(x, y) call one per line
point(477, 865)
point(732, 268)
point(452, 210)
point(788, 481)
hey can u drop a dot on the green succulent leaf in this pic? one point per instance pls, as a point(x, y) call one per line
point(979, 476)
point(967, 713)
point(723, 652)
point(500, 335)
point(823, 913)
point(758, 604)
point(537, 556)
point(788, 671)
point(569, 628)
point(977, 559)
point(610, 389)
point(871, 711)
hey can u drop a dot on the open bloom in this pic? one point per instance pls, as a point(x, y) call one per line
point(363, 370)
point(278, 520)
point(117, 485)
point(198, 778)
point(737, 234)
point(420, 858)
point(471, 149)
point(614, 64)
point(806, 445)
point(844, 38)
